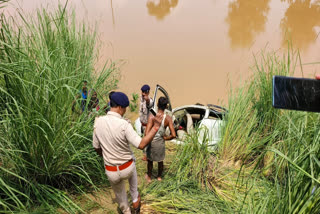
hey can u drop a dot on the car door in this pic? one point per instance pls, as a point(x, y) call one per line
point(160, 91)
point(212, 123)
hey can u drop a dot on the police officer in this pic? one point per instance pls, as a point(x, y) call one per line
point(146, 103)
point(112, 137)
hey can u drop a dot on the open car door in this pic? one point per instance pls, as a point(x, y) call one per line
point(160, 91)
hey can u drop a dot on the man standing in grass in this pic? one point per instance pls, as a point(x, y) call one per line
point(146, 103)
point(112, 137)
point(83, 93)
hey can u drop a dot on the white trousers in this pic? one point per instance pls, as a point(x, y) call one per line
point(117, 180)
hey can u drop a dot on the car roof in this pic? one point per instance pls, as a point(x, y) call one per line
point(190, 106)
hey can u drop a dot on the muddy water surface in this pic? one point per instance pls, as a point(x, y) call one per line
point(193, 48)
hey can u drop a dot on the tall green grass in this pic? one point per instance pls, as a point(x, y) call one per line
point(45, 148)
point(267, 160)
point(281, 145)
point(186, 187)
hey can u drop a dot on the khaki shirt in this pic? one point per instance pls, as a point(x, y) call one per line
point(144, 110)
point(113, 134)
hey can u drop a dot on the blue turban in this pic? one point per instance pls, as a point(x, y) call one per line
point(120, 99)
point(145, 88)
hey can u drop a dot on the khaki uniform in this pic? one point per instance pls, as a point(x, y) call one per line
point(113, 134)
point(144, 115)
point(144, 112)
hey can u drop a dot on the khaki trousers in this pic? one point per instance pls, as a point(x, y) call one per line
point(117, 180)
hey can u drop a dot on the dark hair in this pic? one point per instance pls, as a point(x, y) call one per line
point(162, 103)
point(84, 89)
point(113, 104)
point(110, 94)
point(85, 81)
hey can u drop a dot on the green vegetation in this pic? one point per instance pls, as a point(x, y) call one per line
point(45, 149)
point(266, 162)
point(134, 102)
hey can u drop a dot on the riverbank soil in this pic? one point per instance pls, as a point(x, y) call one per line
point(103, 201)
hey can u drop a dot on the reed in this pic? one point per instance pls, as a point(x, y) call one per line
point(45, 148)
point(283, 146)
point(267, 160)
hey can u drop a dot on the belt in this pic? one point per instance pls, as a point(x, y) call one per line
point(121, 167)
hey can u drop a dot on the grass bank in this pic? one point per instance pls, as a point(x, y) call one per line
point(45, 148)
point(266, 162)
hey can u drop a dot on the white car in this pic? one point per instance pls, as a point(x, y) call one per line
point(208, 119)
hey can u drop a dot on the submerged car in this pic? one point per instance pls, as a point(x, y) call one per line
point(207, 119)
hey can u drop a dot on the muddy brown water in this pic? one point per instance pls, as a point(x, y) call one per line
point(194, 49)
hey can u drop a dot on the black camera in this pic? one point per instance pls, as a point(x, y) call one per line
point(296, 93)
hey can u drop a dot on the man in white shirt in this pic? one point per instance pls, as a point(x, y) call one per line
point(112, 137)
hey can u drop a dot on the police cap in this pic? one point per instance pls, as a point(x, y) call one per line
point(145, 88)
point(120, 99)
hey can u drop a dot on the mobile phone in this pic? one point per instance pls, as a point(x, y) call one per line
point(153, 112)
point(296, 93)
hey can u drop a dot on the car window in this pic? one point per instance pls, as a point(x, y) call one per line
point(196, 111)
point(197, 114)
point(215, 115)
point(180, 113)
point(180, 118)
point(196, 118)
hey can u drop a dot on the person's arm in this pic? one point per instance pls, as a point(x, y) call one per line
point(149, 124)
point(139, 142)
point(96, 143)
point(318, 76)
point(148, 137)
point(98, 151)
point(141, 108)
point(172, 131)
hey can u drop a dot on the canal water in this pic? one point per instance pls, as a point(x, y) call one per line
point(195, 49)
